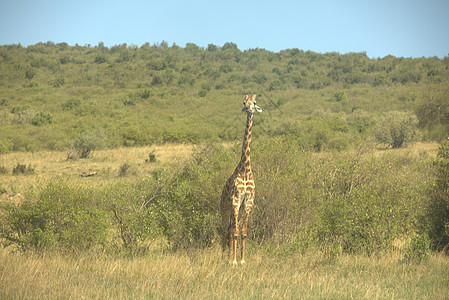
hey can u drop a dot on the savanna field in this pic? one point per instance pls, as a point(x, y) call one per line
point(112, 162)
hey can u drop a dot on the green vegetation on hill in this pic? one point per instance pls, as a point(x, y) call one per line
point(53, 95)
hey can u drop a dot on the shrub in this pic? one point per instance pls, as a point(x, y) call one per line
point(360, 120)
point(151, 157)
point(3, 170)
point(22, 169)
point(123, 170)
point(418, 248)
point(129, 102)
point(361, 203)
point(438, 210)
point(276, 175)
point(145, 94)
point(339, 96)
point(380, 79)
point(188, 213)
point(41, 118)
point(89, 141)
point(100, 59)
point(30, 73)
point(202, 93)
point(396, 128)
point(347, 202)
point(71, 104)
point(59, 216)
point(58, 81)
point(432, 110)
point(135, 217)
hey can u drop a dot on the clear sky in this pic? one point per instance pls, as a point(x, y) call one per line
point(408, 28)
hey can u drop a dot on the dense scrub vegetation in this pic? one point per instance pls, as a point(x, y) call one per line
point(52, 96)
point(334, 202)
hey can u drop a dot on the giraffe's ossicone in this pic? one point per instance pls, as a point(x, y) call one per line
point(237, 197)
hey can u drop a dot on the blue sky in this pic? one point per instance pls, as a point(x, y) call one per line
point(401, 28)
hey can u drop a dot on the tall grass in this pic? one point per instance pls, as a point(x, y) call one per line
point(202, 275)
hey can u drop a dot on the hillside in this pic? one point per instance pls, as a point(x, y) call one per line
point(53, 94)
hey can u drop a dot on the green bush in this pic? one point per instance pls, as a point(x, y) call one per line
point(3, 170)
point(189, 210)
point(418, 248)
point(134, 211)
point(41, 118)
point(71, 104)
point(145, 94)
point(348, 202)
point(100, 59)
point(151, 157)
point(365, 203)
point(438, 210)
point(57, 217)
point(278, 165)
point(123, 170)
point(432, 110)
point(89, 141)
point(396, 129)
point(22, 169)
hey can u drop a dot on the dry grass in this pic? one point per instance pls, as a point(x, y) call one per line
point(417, 149)
point(51, 164)
point(202, 274)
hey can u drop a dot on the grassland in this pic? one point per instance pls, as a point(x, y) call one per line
point(202, 275)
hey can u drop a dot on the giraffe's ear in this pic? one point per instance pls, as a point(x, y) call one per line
point(246, 97)
point(254, 97)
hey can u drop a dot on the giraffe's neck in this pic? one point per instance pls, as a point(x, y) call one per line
point(245, 162)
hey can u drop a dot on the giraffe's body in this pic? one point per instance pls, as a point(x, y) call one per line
point(237, 198)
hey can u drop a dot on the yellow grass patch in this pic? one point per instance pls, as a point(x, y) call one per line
point(417, 149)
point(201, 274)
point(51, 164)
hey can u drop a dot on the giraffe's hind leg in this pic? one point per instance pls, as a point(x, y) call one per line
point(225, 238)
point(234, 229)
point(245, 219)
point(225, 228)
point(227, 225)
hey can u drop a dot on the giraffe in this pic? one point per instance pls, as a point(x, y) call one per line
point(237, 197)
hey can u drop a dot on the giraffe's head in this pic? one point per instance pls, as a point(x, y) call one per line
point(249, 105)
